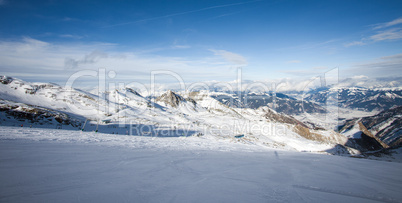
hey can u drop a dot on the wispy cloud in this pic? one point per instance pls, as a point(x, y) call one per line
point(388, 24)
point(230, 57)
point(386, 66)
point(71, 36)
point(180, 46)
point(390, 34)
point(31, 43)
point(302, 72)
point(51, 62)
point(182, 13)
point(3, 2)
point(312, 45)
point(392, 57)
point(293, 61)
point(307, 72)
point(381, 32)
point(90, 58)
point(355, 43)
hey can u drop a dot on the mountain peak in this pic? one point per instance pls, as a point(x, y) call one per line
point(133, 91)
point(170, 98)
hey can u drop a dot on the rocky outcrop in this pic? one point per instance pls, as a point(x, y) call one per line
point(5, 80)
point(170, 98)
point(385, 128)
point(272, 115)
point(35, 114)
point(133, 92)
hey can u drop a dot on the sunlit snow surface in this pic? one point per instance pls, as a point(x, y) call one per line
point(44, 165)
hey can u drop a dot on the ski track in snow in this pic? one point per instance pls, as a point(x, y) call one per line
point(46, 165)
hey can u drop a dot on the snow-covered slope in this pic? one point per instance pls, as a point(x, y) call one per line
point(51, 96)
point(125, 111)
point(10, 112)
point(385, 127)
point(47, 165)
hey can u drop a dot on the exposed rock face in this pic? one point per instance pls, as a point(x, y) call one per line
point(281, 118)
point(303, 130)
point(385, 127)
point(5, 80)
point(170, 98)
point(35, 114)
point(133, 92)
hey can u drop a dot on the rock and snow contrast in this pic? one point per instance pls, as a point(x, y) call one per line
point(68, 145)
point(125, 111)
point(381, 131)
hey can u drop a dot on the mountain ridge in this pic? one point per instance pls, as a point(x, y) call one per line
point(170, 114)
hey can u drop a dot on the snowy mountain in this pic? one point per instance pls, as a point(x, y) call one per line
point(125, 111)
point(372, 83)
point(381, 131)
point(246, 118)
point(35, 115)
point(278, 101)
point(51, 96)
point(358, 98)
point(170, 98)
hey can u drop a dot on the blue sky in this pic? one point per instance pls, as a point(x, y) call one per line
point(200, 40)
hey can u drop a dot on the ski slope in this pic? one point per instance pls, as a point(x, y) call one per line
point(46, 165)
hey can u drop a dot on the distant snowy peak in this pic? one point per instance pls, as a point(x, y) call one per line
point(372, 83)
point(357, 97)
point(278, 101)
point(360, 88)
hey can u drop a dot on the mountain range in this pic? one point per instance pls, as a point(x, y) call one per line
point(251, 118)
point(359, 98)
